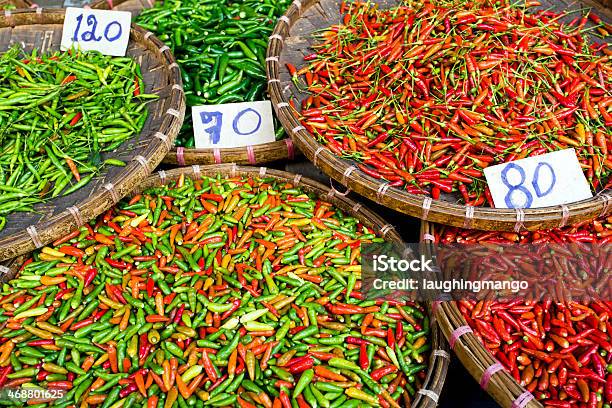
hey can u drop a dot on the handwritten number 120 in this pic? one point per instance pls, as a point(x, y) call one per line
point(519, 187)
point(110, 33)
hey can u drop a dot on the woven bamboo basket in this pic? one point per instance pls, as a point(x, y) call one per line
point(477, 360)
point(291, 41)
point(256, 154)
point(41, 29)
point(439, 358)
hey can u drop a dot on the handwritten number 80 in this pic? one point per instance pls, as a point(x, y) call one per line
point(514, 189)
point(92, 22)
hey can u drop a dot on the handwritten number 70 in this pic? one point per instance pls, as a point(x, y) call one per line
point(112, 31)
point(519, 188)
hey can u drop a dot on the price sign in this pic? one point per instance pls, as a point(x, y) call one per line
point(97, 30)
point(233, 124)
point(540, 181)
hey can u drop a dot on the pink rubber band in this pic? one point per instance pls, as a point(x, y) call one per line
point(86, 6)
point(217, 155)
point(435, 305)
point(290, 148)
point(565, 215)
point(110, 3)
point(179, 155)
point(250, 154)
point(34, 5)
point(457, 333)
point(426, 206)
point(429, 237)
point(522, 400)
point(489, 372)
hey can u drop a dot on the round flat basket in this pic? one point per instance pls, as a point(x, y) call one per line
point(428, 395)
point(42, 30)
point(255, 154)
point(293, 39)
point(472, 354)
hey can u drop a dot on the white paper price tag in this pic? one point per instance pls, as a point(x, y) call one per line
point(540, 181)
point(233, 124)
point(96, 30)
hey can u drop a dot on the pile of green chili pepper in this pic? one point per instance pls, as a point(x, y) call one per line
point(220, 46)
point(214, 292)
point(58, 113)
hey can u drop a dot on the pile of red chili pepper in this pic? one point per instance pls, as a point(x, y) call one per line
point(211, 292)
point(560, 351)
point(427, 95)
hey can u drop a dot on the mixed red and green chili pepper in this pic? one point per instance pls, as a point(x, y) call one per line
point(560, 351)
point(427, 95)
point(211, 292)
point(220, 46)
point(58, 113)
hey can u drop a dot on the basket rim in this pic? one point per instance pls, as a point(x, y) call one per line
point(420, 206)
point(474, 356)
point(439, 358)
point(272, 151)
point(138, 168)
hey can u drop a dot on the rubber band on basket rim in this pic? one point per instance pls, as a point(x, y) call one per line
point(233, 170)
point(151, 3)
point(290, 148)
point(607, 200)
point(173, 112)
point(284, 19)
point(34, 5)
point(316, 155)
point(489, 373)
point(39, 10)
point(164, 48)
point(148, 34)
point(33, 233)
point(110, 4)
point(469, 216)
point(441, 353)
point(273, 58)
point(430, 394)
point(564, 215)
point(163, 137)
point(426, 207)
point(296, 179)
point(251, 155)
point(298, 128)
point(276, 37)
point(195, 168)
point(298, 4)
point(382, 190)
point(281, 105)
point(522, 400)
point(143, 162)
point(177, 87)
point(520, 219)
point(385, 229)
point(4, 269)
point(429, 237)
point(110, 187)
point(180, 155)
point(347, 173)
point(162, 176)
point(357, 207)
point(262, 171)
point(8, 14)
point(76, 214)
point(456, 335)
point(217, 155)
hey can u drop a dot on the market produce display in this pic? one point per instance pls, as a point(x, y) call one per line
point(559, 351)
point(427, 95)
point(211, 292)
point(58, 113)
point(220, 46)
